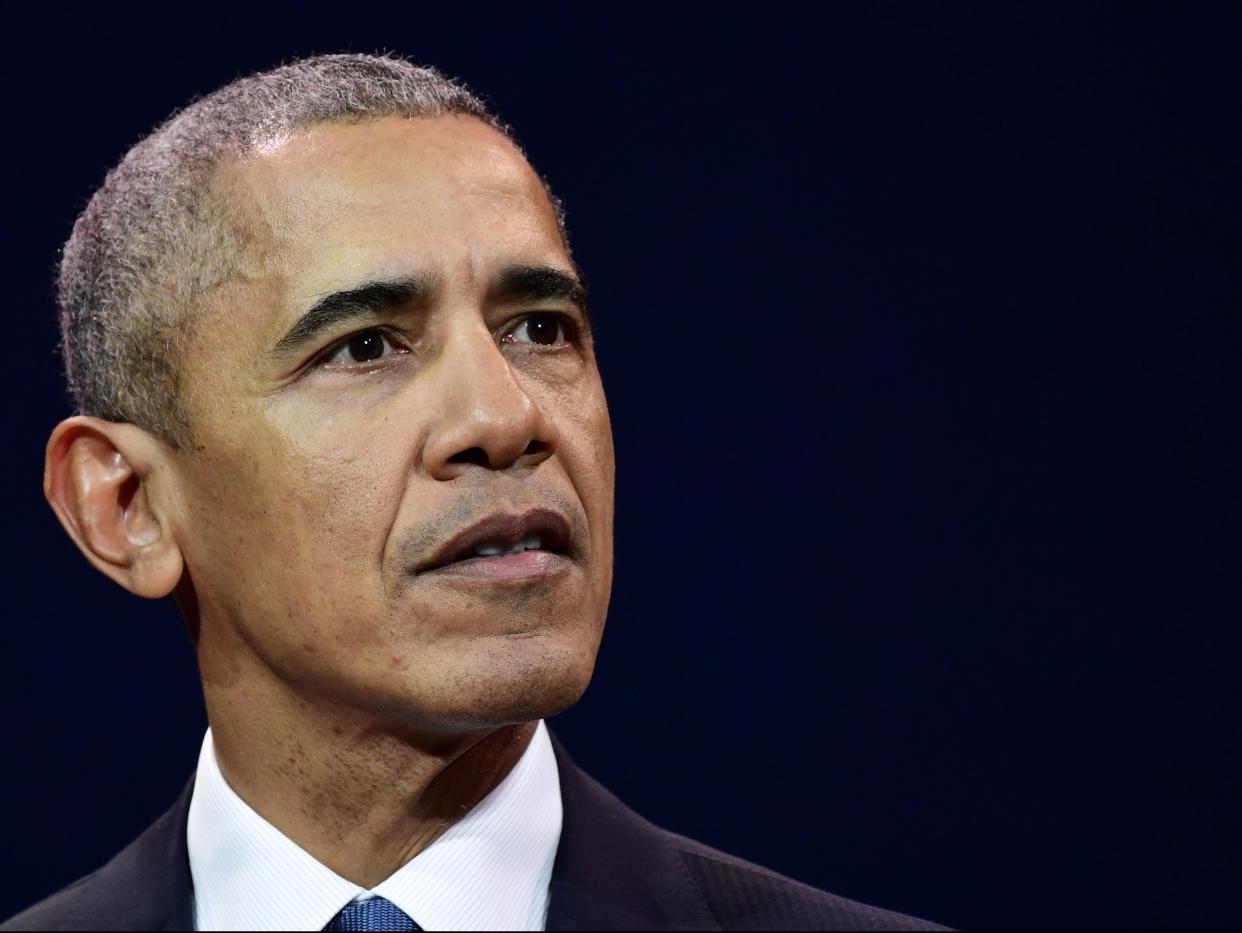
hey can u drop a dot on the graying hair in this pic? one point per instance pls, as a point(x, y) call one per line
point(152, 239)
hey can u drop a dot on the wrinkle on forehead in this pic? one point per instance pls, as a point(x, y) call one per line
point(329, 186)
point(328, 163)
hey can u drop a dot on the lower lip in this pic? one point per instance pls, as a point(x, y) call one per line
point(529, 565)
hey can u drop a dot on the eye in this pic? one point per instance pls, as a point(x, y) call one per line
point(363, 347)
point(543, 329)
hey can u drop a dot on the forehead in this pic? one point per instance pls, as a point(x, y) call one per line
point(337, 202)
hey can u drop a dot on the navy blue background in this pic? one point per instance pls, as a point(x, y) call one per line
point(920, 328)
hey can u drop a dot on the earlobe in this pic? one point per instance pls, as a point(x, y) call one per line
point(100, 478)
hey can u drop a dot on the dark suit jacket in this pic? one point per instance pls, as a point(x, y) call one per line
point(613, 871)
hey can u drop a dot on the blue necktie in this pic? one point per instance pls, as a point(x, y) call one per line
point(374, 914)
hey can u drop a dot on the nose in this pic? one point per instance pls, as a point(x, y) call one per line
point(488, 419)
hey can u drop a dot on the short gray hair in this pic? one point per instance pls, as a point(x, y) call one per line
point(152, 239)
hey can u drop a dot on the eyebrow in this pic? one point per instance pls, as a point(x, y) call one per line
point(541, 283)
point(370, 300)
point(374, 299)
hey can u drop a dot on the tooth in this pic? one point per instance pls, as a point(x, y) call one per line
point(532, 542)
point(487, 550)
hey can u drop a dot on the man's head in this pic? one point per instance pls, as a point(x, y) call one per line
point(330, 345)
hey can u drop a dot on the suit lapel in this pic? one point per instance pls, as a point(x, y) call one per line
point(614, 870)
point(178, 897)
point(147, 886)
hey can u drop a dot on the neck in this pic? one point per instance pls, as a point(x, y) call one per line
point(360, 797)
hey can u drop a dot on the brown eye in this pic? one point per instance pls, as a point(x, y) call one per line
point(543, 329)
point(365, 347)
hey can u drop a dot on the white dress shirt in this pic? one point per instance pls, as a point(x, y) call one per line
point(489, 871)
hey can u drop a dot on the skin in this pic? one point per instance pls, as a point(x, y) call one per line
point(357, 705)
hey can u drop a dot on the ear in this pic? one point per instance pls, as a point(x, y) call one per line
point(103, 480)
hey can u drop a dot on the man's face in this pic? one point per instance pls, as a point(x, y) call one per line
point(401, 358)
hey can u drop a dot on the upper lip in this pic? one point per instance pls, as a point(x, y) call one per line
point(505, 529)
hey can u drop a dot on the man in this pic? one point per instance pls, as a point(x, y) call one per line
point(340, 401)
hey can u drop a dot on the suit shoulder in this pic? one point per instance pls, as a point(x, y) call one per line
point(745, 896)
point(60, 911)
point(146, 886)
point(616, 870)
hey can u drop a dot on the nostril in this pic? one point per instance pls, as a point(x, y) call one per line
point(478, 456)
point(475, 455)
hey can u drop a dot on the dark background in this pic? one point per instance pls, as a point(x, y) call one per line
point(920, 327)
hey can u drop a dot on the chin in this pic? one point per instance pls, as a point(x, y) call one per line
point(508, 680)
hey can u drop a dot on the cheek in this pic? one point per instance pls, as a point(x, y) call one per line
point(587, 451)
point(595, 425)
point(344, 466)
point(298, 528)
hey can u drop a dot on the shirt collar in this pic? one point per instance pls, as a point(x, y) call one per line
point(489, 871)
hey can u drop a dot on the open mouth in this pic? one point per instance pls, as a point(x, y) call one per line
point(505, 545)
